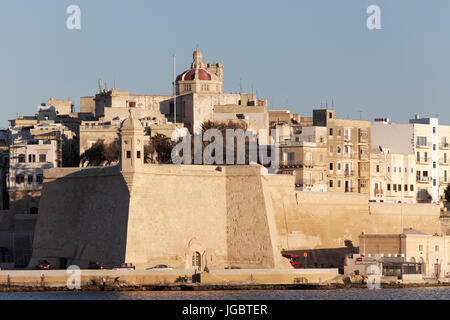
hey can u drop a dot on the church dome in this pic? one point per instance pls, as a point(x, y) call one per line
point(132, 124)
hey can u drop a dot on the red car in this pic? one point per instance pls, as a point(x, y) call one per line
point(43, 265)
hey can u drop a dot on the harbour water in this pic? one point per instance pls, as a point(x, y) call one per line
point(429, 293)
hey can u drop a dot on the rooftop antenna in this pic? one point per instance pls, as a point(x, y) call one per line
point(100, 84)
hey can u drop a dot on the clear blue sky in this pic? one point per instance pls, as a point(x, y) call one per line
point(294, 53)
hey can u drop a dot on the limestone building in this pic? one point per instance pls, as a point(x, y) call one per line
point(306, 158)
point(431, 251)
point(393, 177)
point(348, 144)
point(427, 140)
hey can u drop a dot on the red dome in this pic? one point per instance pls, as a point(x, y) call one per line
point(202, 75)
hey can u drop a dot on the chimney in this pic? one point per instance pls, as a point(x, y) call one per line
point(417, 117)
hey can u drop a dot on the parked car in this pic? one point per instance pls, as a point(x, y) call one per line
point(125, 266)
point(43, 265)
point(96, 266)
point(161, 267)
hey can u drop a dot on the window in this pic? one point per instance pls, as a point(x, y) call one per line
point(418, 157)
point(389, 169)
point(331, 131)
point(31, 158)
point(395, 169)
point(434, 164)
point(338, 149)
point(331, 165)
point(42, 158)
point(339, 166)
point(406, 187)
point(40, 178)
point(321, 176)
point(128, 154)
point(331, 183)
point(395, 187)
point(420, 247)
point(291, 156)
point(331, 149)
point(426, 157)
point(434, 129)
point(339, 183)
point(30, 179)
point(434, 182)
point(378, 168)
point(421, 141)
point(411, 187)
point(388, 187)
point(21, 158)
point(399, 187)
point(436, 248)
point(19, 179)
point(138, 154)
point(330, 115)
point(434, 147)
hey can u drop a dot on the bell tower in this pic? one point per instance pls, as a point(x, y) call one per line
point(131, 145)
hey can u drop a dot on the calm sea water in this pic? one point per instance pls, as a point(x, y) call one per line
point(438, 293)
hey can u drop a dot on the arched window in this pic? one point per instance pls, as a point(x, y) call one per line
point(21, 158)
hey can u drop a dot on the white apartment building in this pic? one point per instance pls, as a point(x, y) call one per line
point(393, 177)
point(29, 155)
point(428, 142)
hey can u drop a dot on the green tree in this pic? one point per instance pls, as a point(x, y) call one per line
point(101, 154)
point(222, 127)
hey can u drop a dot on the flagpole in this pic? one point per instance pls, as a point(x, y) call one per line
point(174, 90)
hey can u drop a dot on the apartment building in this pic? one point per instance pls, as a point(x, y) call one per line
point(428, 142)
point(392, 177)
point(305, 157)
point(348, 152)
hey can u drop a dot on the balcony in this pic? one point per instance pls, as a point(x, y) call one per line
point(444, 146)
point(423, 160)
point(423, 179)
point(378, 193)
point(349, 173)
point(423, 145)
point(364, 156)
point(363, 136)
point(348, 155)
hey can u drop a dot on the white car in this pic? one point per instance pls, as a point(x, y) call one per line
point(160, 267)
